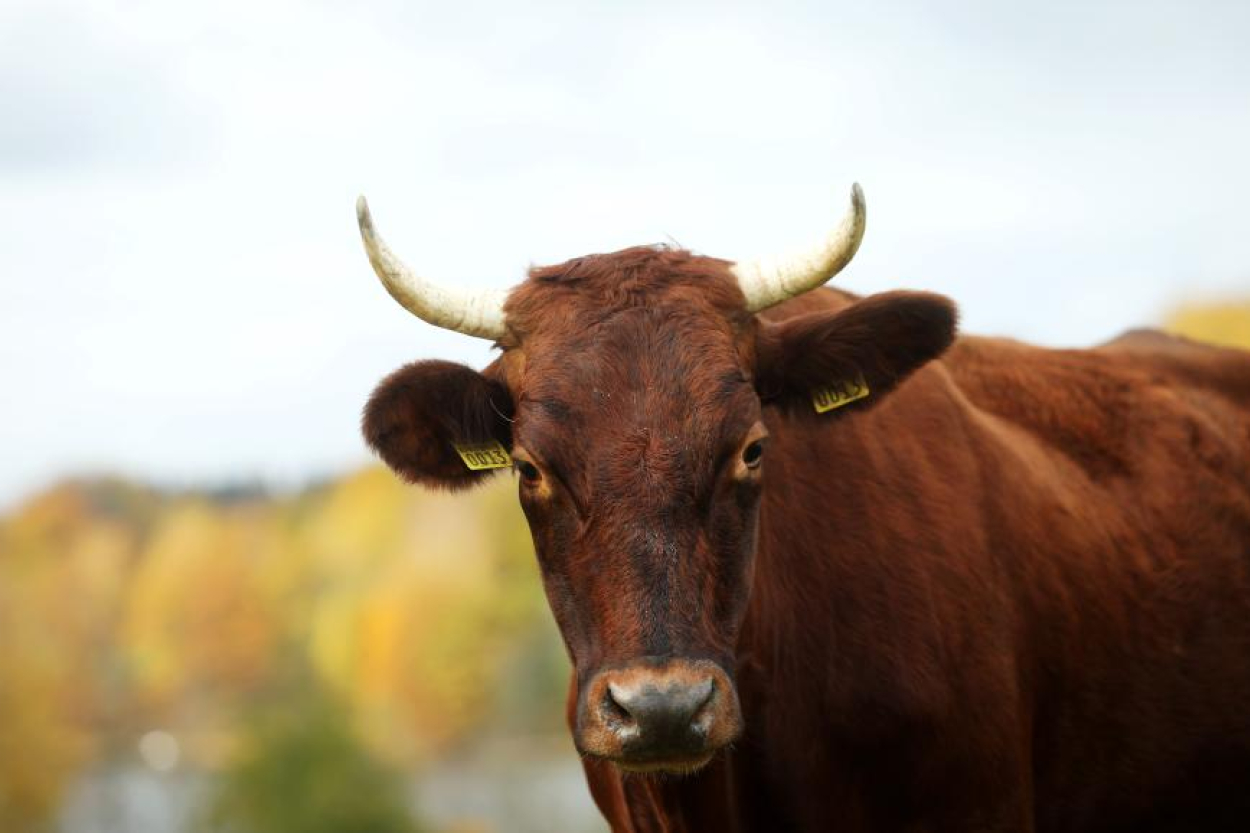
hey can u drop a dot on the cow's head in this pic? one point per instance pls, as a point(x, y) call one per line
point(633, 393)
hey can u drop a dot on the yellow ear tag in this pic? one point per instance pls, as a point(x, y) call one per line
point(479, 456)
point(839, 394)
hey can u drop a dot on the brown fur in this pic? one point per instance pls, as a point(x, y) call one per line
point(1013, 594)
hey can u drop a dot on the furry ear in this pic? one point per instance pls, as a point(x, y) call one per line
point(418, 413)
point(882, 338)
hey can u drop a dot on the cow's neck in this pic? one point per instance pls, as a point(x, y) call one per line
point(842, 605)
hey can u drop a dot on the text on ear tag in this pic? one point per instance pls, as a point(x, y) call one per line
point(478, 456)
point(839, 394)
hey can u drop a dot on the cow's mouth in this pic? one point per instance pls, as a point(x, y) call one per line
point(667, 766)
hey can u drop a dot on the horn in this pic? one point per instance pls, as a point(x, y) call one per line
point(472, 313)
point(769, 282)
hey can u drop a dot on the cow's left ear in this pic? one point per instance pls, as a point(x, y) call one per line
point(424, 418)
point(875, 343)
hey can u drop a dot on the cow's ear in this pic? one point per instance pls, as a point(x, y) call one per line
point(418, 415)
point(849, 359)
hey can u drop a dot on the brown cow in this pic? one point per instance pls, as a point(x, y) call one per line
point(1011, 594)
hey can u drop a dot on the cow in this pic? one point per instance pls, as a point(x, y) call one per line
point(820, 564)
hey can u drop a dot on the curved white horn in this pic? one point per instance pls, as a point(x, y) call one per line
point(472, 313)
point(769, 282)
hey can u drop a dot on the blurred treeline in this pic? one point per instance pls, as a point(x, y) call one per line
point(370, 623)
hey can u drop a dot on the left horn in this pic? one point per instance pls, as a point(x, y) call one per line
point(472, 313)
point(766, 283)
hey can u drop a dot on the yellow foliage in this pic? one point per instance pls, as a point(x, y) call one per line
point(122, 610)
point(49, 618)
point(359, 523)
point(196, 618)
point(1227, 324)
point(41, 744)
point(416, 637)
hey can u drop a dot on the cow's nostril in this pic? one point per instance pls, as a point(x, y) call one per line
point(614, 709)
point(701, 696)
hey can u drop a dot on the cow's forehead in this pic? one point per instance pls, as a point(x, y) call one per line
point(652, 383)
point(564, 299)
point(632, 364)
point(643, 319)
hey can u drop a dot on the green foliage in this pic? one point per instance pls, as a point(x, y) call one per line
point(301, 770)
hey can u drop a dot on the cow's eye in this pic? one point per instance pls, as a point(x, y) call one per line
point(753, 454)
point(528, 471)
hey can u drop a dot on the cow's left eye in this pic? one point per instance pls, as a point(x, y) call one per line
point(753, 454)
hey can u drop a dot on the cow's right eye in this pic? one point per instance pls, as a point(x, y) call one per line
point(528, 471)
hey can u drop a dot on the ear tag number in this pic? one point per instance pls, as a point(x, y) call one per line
point(839, 394)
point(479, 456)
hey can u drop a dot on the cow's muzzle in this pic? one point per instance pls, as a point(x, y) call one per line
point(658, 715)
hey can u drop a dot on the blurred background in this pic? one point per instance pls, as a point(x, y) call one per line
point(216, 613)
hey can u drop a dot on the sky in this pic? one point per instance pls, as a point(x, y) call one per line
point(183, 293)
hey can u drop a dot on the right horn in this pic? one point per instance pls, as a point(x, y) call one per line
point(766, 283)
point(472, 313)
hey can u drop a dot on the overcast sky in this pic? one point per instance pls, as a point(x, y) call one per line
point(183, 295)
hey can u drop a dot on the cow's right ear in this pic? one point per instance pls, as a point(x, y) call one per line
point(419, 414)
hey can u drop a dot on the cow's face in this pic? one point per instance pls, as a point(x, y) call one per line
point(633, 394)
